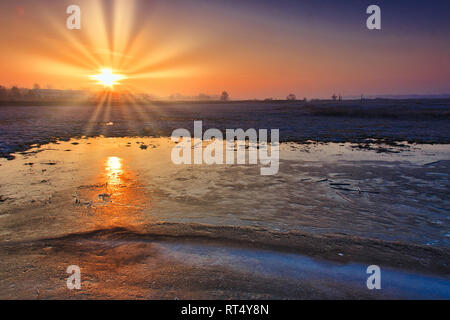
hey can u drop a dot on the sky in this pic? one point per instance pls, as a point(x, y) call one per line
point(250, 48)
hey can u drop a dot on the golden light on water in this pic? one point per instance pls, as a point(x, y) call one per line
point(114, 171)
point(117, 198)
point(107, 78)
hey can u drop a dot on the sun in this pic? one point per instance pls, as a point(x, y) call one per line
point(107, 78)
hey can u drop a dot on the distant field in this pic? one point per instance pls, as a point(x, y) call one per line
point(422, 121)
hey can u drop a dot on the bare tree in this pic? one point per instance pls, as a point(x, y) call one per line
point(291, 97)
point(225, 96)
point(3, 92)
point(14, 93)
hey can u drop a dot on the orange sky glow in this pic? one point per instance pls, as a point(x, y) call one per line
point(165, 49)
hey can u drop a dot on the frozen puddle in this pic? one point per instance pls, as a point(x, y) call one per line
point(93, 183)
point(59, 200)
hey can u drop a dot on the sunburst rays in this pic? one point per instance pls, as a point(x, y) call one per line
point(108, 78)
point(113, 38)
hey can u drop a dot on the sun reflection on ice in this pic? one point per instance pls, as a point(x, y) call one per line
point(114, 171)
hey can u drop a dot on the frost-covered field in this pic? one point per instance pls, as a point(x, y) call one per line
point(358, 185)
point(423, 121)
point(142, 227)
